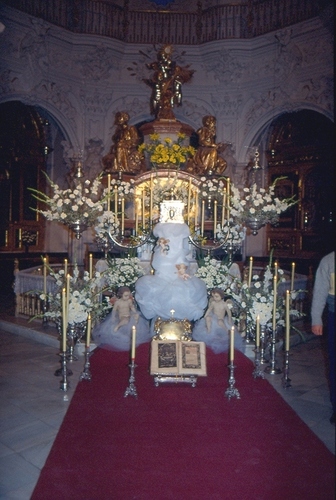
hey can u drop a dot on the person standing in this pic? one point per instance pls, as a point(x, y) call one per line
point(324, 295)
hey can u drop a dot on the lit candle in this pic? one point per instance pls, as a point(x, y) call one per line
point(202, 217)
point(108, 191)
point(250, 272)
point(116, 202)
point(232, 344)
point(223, 209)
point(287, 319)
point(189, 198)
point(228, 186)
point(64, 321)
point(276, 269)
point(215, 218)
point(90, 265)
point(65, 267)
point(133, 342)
point(122, 216)
point(196, 210)
point(274, 301)
point(143, 208)
point(136, 208)
point(88, 331)
point(151, 200)
point(258, 332)
point(293, 276)
point(45, 276)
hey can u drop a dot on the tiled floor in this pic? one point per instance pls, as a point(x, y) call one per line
point(33, 405)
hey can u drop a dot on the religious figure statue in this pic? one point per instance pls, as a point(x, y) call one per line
point(166, 84)
point(207, 158)
point(124, 155)
point(218, 309)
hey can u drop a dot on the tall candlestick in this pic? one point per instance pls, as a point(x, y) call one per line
point(122, 216)
point(143, 208)
point(189, 199)
point(65, 267)
point(151, 190)
point(274, 301)
point(196, 210)
point(287, 319)
point(250, 272)
point(202, 217)
point(90, 265)
point(108, 191)
point(88, 331)
point(232, 344)
point(224, 204)
point(293, 276)
point(228, 187)
point(215, 218)
point(64, 321)
point(45, 276)
point(133, 342)
point(116, 202)
point(136, 208)
point(258, 331)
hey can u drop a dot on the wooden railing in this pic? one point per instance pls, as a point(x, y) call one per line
point(237, 21)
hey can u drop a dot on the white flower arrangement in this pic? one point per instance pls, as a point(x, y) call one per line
point(164, 188)
point(258, 203)
point(125, 189)
point(68, 206)
point(84, 298)
point(216, 274)
point(236, 232)
point(123, 272)
point(213, 188)
point(107, 223)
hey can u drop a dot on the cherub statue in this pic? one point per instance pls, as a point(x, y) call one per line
point(166, 83)
point(218, 308)
point(207, 158)
point(163, 244)
point(124, 155)
point(182, 271)
point(124, 307)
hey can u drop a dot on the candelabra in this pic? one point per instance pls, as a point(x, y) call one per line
point(286, 381)
point(272, 368)
point(257, 371)
point(263, 359)
point(209, 246)
point(86, 374)
point(64, 382)
point(134, 242)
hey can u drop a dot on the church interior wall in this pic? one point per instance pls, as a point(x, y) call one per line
point(82, 81)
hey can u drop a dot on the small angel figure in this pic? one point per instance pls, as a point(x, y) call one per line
point(182, 271)
point(124, 307)
point(219, 308)
point(163, 245)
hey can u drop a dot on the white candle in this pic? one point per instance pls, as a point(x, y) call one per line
point(143, 209)
point(196, 210)
point(151, 200)
point(232, 344)
point(228, 186)
point(65, 267)
point(215, 218)
point(45, 276)
point(250, 272)
point(133, 342)
point(223, 209)
point(64, 321)
point(293, 276)
point(136, 208)
point(67, 295)
point(108, 191)
point(287, 319)
point(90, 265)
point(202, 217)
point(122, 216)
point(116, 202)
point(189, 199)
point(276, 269)
point(88, 331)
point(274, 301)
point(258, 332)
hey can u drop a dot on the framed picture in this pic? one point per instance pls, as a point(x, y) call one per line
point(176, 357)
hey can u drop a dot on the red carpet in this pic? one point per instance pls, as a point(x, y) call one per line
point(178, 442)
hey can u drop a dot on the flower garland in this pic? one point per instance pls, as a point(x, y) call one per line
point(168, 151)
point(68, 206)
point(258, 203)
